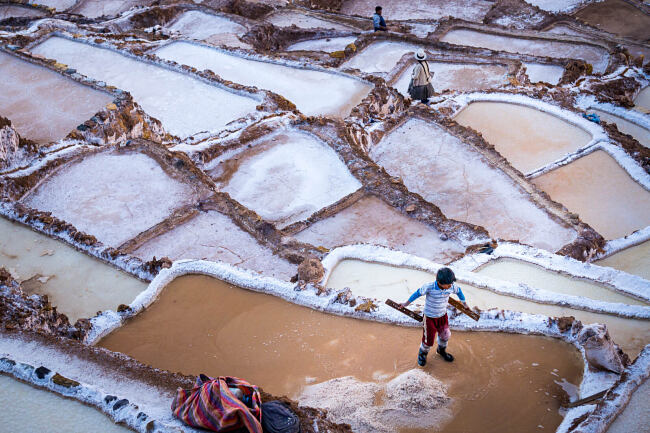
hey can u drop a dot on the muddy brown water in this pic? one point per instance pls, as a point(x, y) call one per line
point(618, 17)
point(203, 325)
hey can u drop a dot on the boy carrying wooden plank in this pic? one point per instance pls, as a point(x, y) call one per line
point(435, 313)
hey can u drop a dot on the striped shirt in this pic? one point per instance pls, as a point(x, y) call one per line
point(436, 298)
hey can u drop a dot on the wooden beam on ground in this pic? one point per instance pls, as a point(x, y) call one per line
point(586, 400)
point(398, 307)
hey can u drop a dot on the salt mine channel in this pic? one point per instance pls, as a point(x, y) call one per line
point(250, 188)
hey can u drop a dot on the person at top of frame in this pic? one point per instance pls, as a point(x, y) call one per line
point(435, 313)
point(378, 21)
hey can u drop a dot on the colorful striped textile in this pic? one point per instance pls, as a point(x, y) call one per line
point(213, 406)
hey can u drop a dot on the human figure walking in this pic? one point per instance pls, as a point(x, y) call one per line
point(420, 87)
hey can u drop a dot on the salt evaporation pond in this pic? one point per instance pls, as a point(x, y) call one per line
point(200, 324)
point(458, 179)
point(303, 21)
point(458, 76)
point(593, 54)
point(470, 10)
point(556, 5)
point(639, 133)
point(43, 105)
point(538, 72)
point(636, 416)
point(371, 221)
point(380, 57)
point(518, 271)
point(59, 5)
point(601, 192)
point(528, 138)
point(618, 17)
point(183, 104)
point(327, 44)
point(213, 236)
point(378, 281)
point(7, 11)
point(634, 260)
point(643, 98)
point(212, 28)
point(27, 409)
point(98, 8)
point(75, 283)
point(286, 177)
point(113, 196)
point(313, 92)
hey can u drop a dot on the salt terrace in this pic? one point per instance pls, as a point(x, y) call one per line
point(237, 188)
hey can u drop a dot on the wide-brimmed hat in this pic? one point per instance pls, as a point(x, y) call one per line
point(420, 55)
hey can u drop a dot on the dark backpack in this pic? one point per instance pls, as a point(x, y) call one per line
point(278, 418)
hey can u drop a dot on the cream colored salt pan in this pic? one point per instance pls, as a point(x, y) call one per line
point(327, 44)
point(43, 105)
point(597, 56)
point(601, 192)
point(303, 21)
point(532, 275)
point(313, 92)
point(636, 416)
point(113, 196)
point(643, 98)
point(379, 281)
point(97, 8)
point(27, 409)
point(527, 137)
point(59, 5)
point(456, 178)
point(458, 76)
point(199, 25)
point(538, 72)
point(634, 260)
point(213, 236)
point(372, 221)
point(184, 105)
point(641, 134)
point(75, 283)
point(7, 11)
point(380, 56)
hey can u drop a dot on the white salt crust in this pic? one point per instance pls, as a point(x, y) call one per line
point(616, 245)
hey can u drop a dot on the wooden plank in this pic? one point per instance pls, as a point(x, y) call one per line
point(586, 400)
point(404, 310)
point(454, 303)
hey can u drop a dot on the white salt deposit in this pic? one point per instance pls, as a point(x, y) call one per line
point(200, 25)
point(593, 54)
point(303, 21)
point(636, 416)
point(371, 221)
point(641, 134)
point(532, 275)
point(381, 282)
point(328, 44)
point(634, 260)
point(213, 236)
point(539, 72)
point(470, 10)
point(24, 408)
point(97, 8)
point(458, 76)
point(380, 57)
point(527, 137)
point(456, 178)
point(313, 92)
point(75, 283)
point(289, 177)
point(413, 399)
point(113, 196)
point(557, 6)
point(59, 5)
point(183, 104)
point(564, 30)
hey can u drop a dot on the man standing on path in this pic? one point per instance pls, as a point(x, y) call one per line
point(435, 313)
point(378, 21)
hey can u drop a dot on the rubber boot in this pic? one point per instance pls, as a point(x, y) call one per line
point(443, 352)
point(422, 358)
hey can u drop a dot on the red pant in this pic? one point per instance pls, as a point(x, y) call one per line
point(431, 325)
